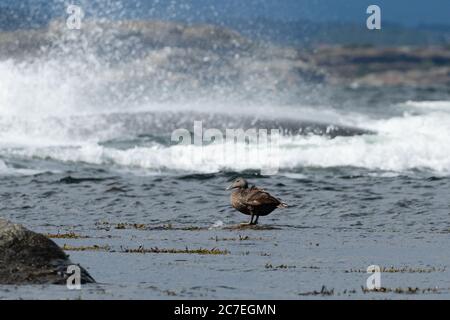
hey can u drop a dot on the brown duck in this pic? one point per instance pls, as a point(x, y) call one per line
point(253, 201)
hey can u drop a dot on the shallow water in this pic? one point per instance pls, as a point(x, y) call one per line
point(339, 222)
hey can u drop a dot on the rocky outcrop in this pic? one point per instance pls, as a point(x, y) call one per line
point(380, 66)
point(27, 257)
point(162, 60)
point(125, 39)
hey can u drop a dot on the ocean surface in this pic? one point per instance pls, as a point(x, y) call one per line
point(85, 148)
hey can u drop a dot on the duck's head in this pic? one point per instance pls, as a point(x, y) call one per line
point(239, 183)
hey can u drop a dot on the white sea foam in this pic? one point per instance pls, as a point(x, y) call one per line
point(217, 225)
point(402, 143)
point(46, 114)
point(58, 91)
point(429, 105)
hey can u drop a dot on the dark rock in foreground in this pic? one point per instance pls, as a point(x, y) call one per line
point(27, 257)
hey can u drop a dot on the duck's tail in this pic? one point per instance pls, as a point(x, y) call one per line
point(282, 205)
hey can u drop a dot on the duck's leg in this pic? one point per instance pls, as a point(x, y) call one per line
point(250, 222)
point(251, 219)
point(256, 220)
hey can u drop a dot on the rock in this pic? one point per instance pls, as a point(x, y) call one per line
point(381, 67)
point(27, 257)
point(143, 61)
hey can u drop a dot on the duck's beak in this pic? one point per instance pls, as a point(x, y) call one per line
point(229, 187)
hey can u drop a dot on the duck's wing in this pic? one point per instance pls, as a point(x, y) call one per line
point(258, 197)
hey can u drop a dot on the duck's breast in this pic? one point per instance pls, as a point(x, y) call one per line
point(238, 203)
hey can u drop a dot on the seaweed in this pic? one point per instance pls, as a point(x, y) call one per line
point(323, 292)
point(239, 238)
point(281, 266)
point(393, 269)
point(201, 251)
point(67, 247)
point(408, 290)
point(70, 235)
